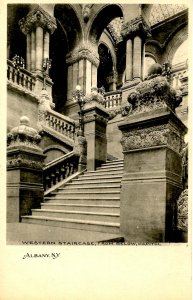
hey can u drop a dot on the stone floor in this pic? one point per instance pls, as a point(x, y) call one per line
point(32, 234)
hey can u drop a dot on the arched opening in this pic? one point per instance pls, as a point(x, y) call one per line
point(16, 40)
point(64, 39)
point(148, 62)
point(105, 69)
point(181, 53)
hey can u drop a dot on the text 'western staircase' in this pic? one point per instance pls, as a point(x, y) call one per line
point(90, 202)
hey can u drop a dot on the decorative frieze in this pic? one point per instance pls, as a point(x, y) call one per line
point(135, 27)
point(37, 18)
point(153, 94)
point(21, 161)
point(161, 135)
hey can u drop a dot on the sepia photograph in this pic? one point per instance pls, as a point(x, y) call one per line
point(97, 117)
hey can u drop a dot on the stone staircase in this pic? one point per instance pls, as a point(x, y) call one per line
point(91, 202)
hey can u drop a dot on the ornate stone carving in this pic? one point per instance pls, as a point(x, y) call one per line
point(182, 211)
point(153, 94)
point(86, 10)
point(80, 149)
point(35, 18)
point(84, 51)
point(24, 136)
point(151, 137)
point(137, 26)
point(94, 96)
point(22, 161)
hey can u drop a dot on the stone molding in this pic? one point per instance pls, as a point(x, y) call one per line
point(95, 117)
point(84, 51)
point(153, 94)
point(161, 135)
point(135, 27)
point(37, 18)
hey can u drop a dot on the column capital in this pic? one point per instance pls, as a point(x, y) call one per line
point(37, 17)
point(83, 51)
point(135, 27)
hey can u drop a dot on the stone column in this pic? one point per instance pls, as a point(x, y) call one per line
point(134, 33)
point(33, 51)
point(39, 48)
point(129, 60)
point(28, 56)
point(24, 171)
point(39, 24)
point(137, 57)
point(95, 122)
point(152, 140)
point(82, 70)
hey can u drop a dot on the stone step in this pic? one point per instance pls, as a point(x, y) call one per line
point(81, 193)
point(120, 165)
point(97, 181)
point(90, 188)
point(83, 215)
point(112, 171)
point(82, 207)
point(70, 223)
point(99, 176)
point(86, 200)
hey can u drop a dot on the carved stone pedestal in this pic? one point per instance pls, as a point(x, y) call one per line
point(95, 122)
point(24, 171)
point(151, 182)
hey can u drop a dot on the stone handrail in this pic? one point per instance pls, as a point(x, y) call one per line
point(60, 169)
point(62, 124)
point(112, 99)
point(20, 77)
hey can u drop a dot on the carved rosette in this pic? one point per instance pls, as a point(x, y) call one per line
point(83, 52)
point(37, 17)
point(153, 94)
point(182, 211)
point(24, 137)
point(161, 135)
point(135, 27)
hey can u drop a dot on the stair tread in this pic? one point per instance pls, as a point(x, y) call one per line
point(77, 212)
point(85, 192)
point(111, 224)
point(90, 187)
point(81, 205)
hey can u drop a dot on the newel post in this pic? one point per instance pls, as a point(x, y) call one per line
point(24, 171)
point(152, 141)
point(95, 123)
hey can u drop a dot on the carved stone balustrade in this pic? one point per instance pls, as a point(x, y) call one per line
point(60, 169)
point(20, 78)
point(113, 99)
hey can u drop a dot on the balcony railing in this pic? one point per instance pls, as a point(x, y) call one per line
point(60, 123)
point(112, 99)
point(179, 73)
point(22, 77)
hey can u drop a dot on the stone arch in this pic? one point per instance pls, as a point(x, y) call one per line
point(111, 49)
point(16, 40)
point(105, 67)
point(104, 15)
point(65, 38)
point(53, 152)
point(175, 42)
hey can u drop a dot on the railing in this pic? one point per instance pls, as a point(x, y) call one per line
point(113, 99)
point(20, 77)
point(60, 123)
point(60, 169)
